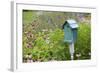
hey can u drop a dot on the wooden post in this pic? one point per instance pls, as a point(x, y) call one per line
point(71, 49)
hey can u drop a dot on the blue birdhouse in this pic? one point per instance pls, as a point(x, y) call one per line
point(70, 31)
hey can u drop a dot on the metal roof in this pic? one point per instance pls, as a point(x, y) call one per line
point(72, 23)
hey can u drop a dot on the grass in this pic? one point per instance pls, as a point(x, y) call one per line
point(28, 17)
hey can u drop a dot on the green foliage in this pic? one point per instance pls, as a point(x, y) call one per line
point(43, 37)
point(52, 48)
point(83, 44)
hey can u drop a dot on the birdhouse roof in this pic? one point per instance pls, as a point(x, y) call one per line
point(72, 23)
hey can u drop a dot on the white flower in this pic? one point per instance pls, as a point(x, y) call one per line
point(44, 30)
point(78, 55)
point(30, 56)
point(47, 41)
point(89, 53)
point(26, 56)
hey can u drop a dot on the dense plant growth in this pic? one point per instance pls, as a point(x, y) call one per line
point(43, 38)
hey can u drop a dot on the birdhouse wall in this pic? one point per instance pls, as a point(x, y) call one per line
point(68, 35)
